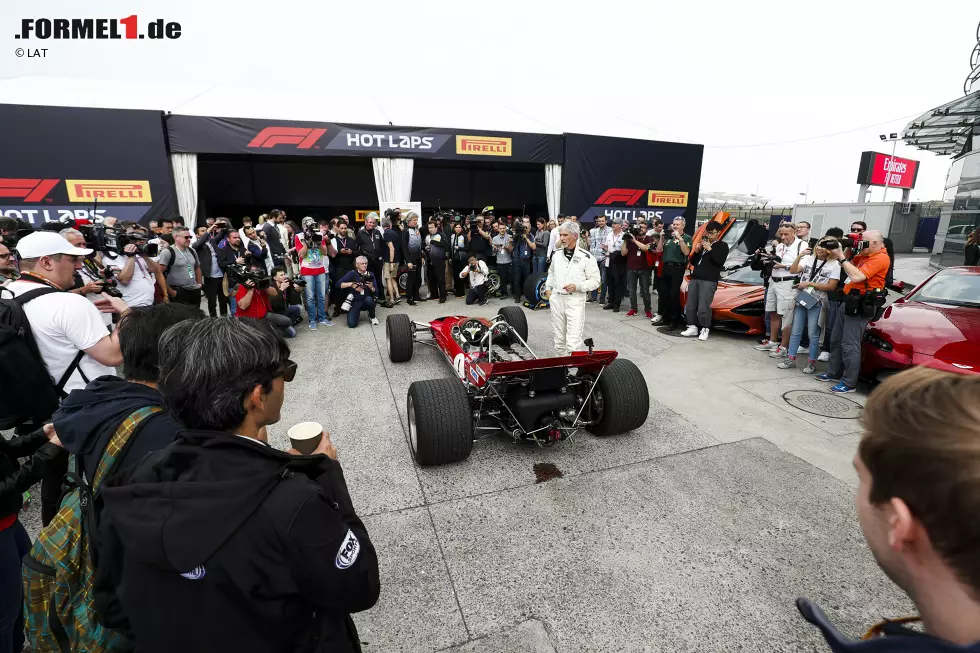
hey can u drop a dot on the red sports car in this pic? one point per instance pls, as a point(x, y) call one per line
point(937, 324)
point(500, 385)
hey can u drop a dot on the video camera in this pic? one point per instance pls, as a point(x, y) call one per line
point(855, 242)
point(312, 235)
point(634, 231)
point(240, 274)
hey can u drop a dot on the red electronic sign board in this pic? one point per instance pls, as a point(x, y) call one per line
point(883, 170)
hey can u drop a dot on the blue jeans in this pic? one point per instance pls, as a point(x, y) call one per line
point(810, 318)
point(828, 332)
point(315, 295)
point(597, 293)
point(354, 314)
point(14, 545)
point(539, 264)
point(765, 299)
point(232, 304)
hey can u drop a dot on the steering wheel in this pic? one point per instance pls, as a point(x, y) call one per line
point(472, 331)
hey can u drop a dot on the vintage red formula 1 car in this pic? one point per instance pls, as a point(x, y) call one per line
point(502, 386)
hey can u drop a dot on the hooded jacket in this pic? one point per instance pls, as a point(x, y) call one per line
point(88, 418)
point(221, 543)
point(896, 638)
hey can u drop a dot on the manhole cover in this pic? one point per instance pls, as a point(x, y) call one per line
point(824, 404)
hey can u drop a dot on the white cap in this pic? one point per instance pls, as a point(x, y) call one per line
point(47, 243)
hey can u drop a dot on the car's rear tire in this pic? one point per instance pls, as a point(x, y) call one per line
point(534, 286)
point(398, 335)
point(514, 316)
point(440, 425)
point(624, 398)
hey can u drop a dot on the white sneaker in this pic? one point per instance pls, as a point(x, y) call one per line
point(769, 346)
point(690, 331)
point(374, 321)
point(778, 352)
point(657, 319)
point(802, 350)
point(824, 356)
point(704, 335)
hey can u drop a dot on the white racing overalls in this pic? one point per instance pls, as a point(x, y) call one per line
point(568, 309)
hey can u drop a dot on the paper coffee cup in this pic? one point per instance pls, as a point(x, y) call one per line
point(305, 437)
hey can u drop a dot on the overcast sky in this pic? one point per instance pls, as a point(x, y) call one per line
point(730, 75)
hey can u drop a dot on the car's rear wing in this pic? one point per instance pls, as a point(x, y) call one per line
point(579, 359)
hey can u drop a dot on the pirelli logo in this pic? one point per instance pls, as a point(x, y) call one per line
point(673, 198)
point(483, 145)
point(108, 190)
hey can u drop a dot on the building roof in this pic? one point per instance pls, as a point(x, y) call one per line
point(946, 129)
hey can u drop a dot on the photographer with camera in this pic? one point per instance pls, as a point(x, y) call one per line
point(371, 244)
point(674, 246)
point(313, 249)
point(136, 275)
point(358, 288)
point(708, 262)
point(342, 262)
point(781, 294)
point(478, 238)
point(615, 267)
point(865, 294)
point(460, 257)
point(635, 247)
point(522, 254)
point(231, 251)
point(253, 298)
point(477, 272)
point(69, 333)
point(207, 248)
point(91, 280)
point(503, 245)
point(289, 300)
point(182, 270)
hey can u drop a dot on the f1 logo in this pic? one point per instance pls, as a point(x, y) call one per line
point(615, 195)
point(302, 137)
point(29, 190)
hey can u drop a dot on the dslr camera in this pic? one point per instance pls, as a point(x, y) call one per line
point(240, 274)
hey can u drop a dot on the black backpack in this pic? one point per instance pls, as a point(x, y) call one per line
point(29, 394)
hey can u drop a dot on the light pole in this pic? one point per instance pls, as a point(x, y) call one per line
point(893, 137)
point(806, 195)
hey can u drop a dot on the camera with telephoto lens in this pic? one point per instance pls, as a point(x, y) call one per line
point(313, 236)
point(240, 274)
point(298, 283)
point(518, 229)
point(855, 242)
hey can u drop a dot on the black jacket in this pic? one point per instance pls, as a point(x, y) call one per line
point(15, 479)
point(708, 265)
point(896, 638)
point(221, 543)
point(371, 244)
point(227, 255)
point(272, 239)
point(971, 254)
point(405, 251)
point(88, 418)
point(204, 252)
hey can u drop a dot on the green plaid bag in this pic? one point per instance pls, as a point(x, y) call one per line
point(58, 572)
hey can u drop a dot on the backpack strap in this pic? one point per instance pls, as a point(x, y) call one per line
point(34, 294)
point(110, 458)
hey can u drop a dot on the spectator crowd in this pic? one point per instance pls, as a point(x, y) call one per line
point(167, 512)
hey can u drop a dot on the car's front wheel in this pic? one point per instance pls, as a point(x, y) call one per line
point(620, 401)
point(440, 425)
point(399, 337)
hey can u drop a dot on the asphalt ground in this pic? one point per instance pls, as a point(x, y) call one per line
point(695, 532)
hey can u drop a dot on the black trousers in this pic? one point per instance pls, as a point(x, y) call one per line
point(669, 293)
point(375, 266)
point(476, 294)
point(521, 271)
point(414, 281)
point(52, 480)
point(617, 284)
point(216, 297)
point(437, 279)
point(190, 296)
point(459, 285)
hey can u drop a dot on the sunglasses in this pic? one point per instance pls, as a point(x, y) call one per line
point(288, 372)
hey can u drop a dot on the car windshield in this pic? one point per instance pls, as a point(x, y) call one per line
point(745, 275)
point(954, 287)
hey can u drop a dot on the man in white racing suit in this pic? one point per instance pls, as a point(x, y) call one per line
point(573, 274)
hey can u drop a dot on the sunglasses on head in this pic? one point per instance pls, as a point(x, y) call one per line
point(288, 371)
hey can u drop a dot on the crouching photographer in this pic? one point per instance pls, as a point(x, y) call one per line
point(289, 301)
point(253, 297)
point(477, 273)
point(864, 296)
point(360, 285)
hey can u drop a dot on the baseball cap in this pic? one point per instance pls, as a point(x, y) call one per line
point(47, 243)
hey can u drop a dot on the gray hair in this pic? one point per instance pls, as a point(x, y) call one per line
point(371, 216)
point(208, 367)
point(64, 233)
point(681, 218)
point(386, 223)
point(359, 259)
point(411, 215)
point(570, 227)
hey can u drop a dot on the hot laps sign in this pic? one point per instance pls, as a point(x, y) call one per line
point(25, 195)
point(883, 170)
point(631, 204)
point(396, 142)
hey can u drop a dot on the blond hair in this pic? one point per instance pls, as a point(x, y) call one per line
point(922, 445)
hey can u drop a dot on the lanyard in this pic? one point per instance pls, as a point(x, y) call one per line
point(814, 271)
